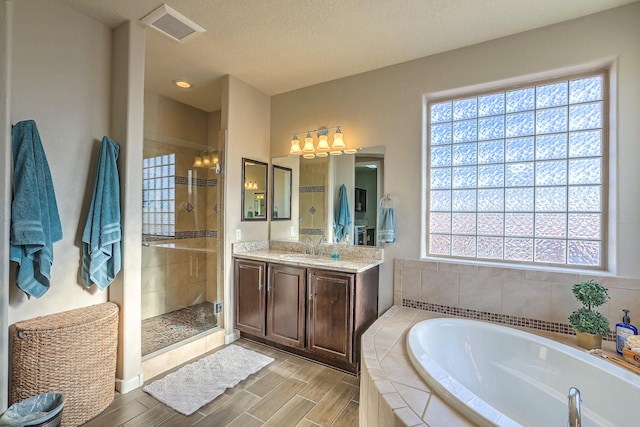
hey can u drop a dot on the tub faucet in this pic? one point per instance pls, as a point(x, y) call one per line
point(574, 408)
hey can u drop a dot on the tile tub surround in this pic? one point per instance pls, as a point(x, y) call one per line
point(536, 298)
point(392, 393)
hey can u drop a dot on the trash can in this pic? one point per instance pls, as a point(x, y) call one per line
point(43, 410)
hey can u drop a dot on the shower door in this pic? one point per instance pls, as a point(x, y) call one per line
point(181, 298)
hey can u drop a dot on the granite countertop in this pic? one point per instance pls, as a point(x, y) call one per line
point(315, 261)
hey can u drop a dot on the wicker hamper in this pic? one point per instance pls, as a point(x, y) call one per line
point(73, 353)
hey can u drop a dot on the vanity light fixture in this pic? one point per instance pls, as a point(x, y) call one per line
point(309, 150)
point(251, 185)
point(208, 160)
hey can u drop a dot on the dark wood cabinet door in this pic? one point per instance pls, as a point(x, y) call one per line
point(330, 318)
point(250, 296)
point(286, 305)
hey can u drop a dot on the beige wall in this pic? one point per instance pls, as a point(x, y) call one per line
point(386, 107)
point(6, 13)
point(246, 117)
point(61, 75)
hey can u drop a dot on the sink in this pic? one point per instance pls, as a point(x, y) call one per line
point(294, 257)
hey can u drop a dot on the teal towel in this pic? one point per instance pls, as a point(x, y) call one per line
point(101, 239)
point(343, 216)
point(35, 222)
point(387, 225)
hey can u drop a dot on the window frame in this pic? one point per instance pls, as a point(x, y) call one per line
point(607, 129)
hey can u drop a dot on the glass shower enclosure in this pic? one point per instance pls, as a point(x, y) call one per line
point(182, 216)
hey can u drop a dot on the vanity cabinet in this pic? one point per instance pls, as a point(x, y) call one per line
point(317, 313)
point(285, 305)
point(250, 296)
point(330, 321)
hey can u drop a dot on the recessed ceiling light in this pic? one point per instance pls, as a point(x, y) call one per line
point(183, 84)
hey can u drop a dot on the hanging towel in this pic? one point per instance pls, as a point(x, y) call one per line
point(343, 216)
point(35, 222)
point(101, 252)
point(387, 225)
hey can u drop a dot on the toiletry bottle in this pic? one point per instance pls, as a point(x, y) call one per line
point(624, 330)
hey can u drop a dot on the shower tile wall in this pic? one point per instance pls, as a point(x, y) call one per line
point(527, 297)
point(313, 197)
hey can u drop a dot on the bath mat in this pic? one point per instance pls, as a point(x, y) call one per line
point(196, 384)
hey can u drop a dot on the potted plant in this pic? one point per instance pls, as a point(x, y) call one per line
point(590, 325)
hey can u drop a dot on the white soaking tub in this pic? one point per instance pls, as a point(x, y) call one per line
point(496, 375)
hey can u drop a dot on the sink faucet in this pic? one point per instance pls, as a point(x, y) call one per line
point(312, 247)
point(574, 408)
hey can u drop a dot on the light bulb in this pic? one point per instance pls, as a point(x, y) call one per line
point(338, 143)
point(295, 146)
point(308, 144)
point(206, 160)
point(197, 163)
point(323, 143)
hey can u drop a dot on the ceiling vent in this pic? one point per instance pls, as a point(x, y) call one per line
point(172, 23)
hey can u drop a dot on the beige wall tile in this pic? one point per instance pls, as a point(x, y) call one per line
point(153, 279)
point(398, 270)
point(153, 304)
point(506, 273)
point(153, 256)
point(440, 287)
point(457, 268)
point(385, 414)
point(482, 293)
point(411, 283)
point(563, 303)
point(550, 276)
point(372, 406)
point(620, 299)
point(397, 298)
point(614, 282)
point(526, 299)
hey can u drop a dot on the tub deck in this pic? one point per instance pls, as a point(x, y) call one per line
point(392, 393)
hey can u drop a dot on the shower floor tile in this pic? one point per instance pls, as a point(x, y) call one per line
point(170, 328)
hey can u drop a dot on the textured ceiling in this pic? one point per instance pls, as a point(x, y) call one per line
point(281, 45)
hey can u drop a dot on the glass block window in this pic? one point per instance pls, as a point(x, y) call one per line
point(518, 174)
point(159, 196)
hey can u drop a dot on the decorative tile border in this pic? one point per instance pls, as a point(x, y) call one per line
point(199, 182)
point(312, 231)
point(190, 234)
point(312, 189)
point(543, 325)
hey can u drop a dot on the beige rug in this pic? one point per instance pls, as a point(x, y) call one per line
point(194, 385)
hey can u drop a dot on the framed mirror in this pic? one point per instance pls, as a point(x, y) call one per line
point(281, 193)
point(254, 190)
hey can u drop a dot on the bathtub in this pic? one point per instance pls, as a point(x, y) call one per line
point(496, 375)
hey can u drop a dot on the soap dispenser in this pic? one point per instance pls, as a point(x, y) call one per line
point(624, 330)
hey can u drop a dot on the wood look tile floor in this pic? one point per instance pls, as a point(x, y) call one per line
point(291, 391)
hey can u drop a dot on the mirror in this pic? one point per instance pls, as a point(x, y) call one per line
point(281, 193)
point(315, 194)
point(254, 190)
